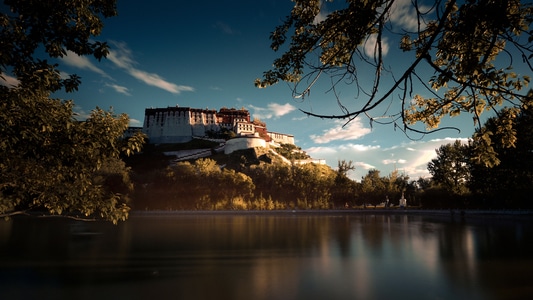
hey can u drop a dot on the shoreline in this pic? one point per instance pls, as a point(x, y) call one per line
point(442, 212)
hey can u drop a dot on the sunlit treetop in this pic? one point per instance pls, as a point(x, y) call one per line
point(459, 42)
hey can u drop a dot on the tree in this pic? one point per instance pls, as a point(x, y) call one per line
point(470, 46)
point(48, 159)
point(451, 168)
point(53, 26)
point(508, 184)
point(343, 167)
point(373, 188)
point(312, 184)
point(344, 189)
point(291, 152)
point(396, 184)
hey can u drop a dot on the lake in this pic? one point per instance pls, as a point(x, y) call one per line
point(285, 255)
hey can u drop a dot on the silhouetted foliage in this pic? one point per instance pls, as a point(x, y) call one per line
point(451, 168)
point(48, 159)
point(510, 183)
point(345, 190)
point(469, 47)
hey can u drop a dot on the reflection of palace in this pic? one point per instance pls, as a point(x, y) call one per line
point(181, 124)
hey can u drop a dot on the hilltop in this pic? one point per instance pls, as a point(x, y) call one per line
point(261, 178)
point(162, 155)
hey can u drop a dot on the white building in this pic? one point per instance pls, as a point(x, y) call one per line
point(244, 142)
point(181, 124)
point(177, 124)
point(281, 138)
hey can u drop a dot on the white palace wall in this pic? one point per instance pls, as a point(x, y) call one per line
point(281, 138)
point(244, 142)
point(181, 124)
point(177, 124)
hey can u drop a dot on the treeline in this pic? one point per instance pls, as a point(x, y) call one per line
point(505, 181)
point(204, 185)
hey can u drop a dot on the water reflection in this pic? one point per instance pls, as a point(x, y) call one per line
point(268, 256)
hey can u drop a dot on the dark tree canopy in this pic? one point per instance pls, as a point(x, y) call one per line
point(50, 161)
point(55, 27)
point(510, 183)
point(451, 168)
point(471, 48)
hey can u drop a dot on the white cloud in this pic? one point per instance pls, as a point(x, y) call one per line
point(157, 81)
point(225, 28)
point(394, 161)
point(280, 110)
point(388, 161)
point(122, 58)
point(408, 158)
point(64, 75)
point(403, 14)
point(135, 122)
point(370, 45)
point(364, 166)
point(352, 131)
point(318, 151)
point(322, 14)
point(119, 89)
point(82, 62)
point(300, 118)
point(357, 147)
point(273, 110)
point(80, 114)
point(8, 81)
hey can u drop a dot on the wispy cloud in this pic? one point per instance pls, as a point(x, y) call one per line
point(300, 118)
point(82, 62)
point(135, 122)
point(157, 81)
point(119, 89)
point(357, 153)
point(403, 14)
point(273, 110)
point(8, 81)
point(64, 75)
point(318, 151)
point(122, 57)
point(352, 131)
point(225, 28)
point(370, 45)
point(322, 14)
point(80, 114)
point(409, 158)
point(364, 166)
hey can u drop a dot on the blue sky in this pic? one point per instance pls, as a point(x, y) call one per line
point(207, 54)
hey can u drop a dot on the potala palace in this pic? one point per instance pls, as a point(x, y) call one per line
point(182, 124)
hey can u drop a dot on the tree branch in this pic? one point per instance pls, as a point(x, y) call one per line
point(424, 53)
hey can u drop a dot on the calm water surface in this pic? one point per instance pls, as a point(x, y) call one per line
point(268, 256)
